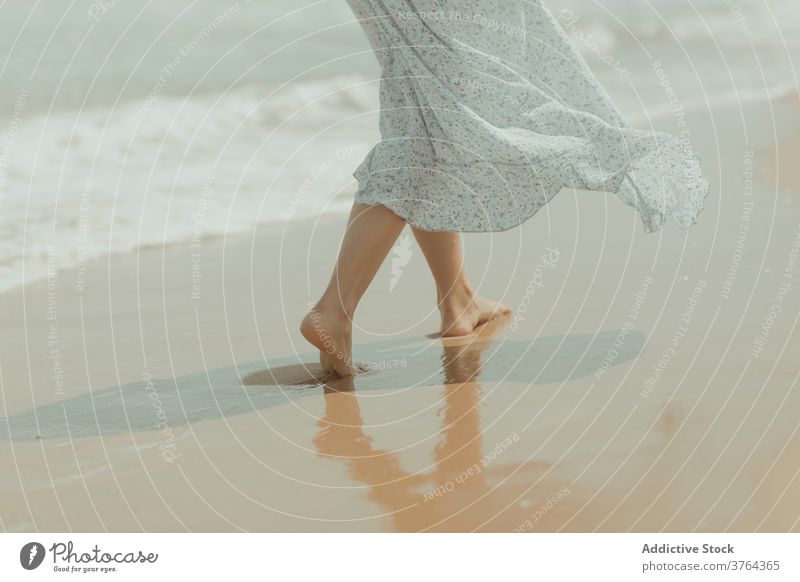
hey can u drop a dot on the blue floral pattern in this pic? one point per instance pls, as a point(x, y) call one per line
point(488, 111)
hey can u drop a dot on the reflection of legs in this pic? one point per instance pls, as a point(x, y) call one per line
point(414, 501)
point(464, 492)
point(462, 309)
point(461, 444)
point(371, 232)
point(341, 436)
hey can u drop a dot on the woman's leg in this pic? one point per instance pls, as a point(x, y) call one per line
point(462, 309)
point(371, 232)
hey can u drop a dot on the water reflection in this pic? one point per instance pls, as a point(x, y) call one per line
point(470, 487)
point(398, 364)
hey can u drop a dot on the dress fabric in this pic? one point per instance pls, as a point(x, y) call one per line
point(488, 111)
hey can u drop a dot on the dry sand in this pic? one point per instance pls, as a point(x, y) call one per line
point(645, 383)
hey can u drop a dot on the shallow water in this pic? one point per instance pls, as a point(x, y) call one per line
point(397, 366)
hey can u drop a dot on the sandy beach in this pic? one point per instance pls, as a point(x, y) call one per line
point(644, 382)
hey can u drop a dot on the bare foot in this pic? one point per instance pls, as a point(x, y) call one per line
point(330, 333)
point(460, 316)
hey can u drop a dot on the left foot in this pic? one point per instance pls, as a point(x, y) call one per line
point(461, 315)
point(329, 331)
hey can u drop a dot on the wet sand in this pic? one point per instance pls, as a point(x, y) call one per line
point(644, 382)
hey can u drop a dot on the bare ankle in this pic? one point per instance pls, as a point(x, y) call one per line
point(458, 296)
point(333, 307)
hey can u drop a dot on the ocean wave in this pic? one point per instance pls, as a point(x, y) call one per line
point(81, 184)
point(736, 23)
point(77, 185)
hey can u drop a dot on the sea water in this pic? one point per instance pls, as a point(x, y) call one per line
point(131, 124)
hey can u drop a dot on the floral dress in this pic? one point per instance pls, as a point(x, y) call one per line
point(487, 112)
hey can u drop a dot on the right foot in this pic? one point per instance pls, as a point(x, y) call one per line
point(461, 315)
point(330, 333)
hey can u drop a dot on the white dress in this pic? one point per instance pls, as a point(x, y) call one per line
point(487, 112)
